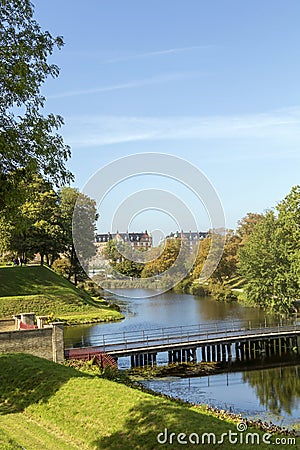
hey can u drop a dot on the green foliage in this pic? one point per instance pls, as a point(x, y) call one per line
point(27, 138)
point(129, 268)
point(43, 223)
point(246, 226)
point(168, 256)
point(270, 260)
point(36, 228)
point(199, 289)
point(4, 235)
point(121, 257)
point(78, 215)
point(111, 252)
point(62, 266)
point(183, 286)
point(222, 292)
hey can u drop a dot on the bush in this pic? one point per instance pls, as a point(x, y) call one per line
point(222, 292)
point(62, 266)
point(199, 289)
point(183, 287)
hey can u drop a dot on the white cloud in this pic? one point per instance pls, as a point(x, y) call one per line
point(281, 125)
point(170, 51)
point(163, 78)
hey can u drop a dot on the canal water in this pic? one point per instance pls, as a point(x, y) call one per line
point(271, 394)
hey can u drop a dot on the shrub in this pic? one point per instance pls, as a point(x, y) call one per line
point(62, 266)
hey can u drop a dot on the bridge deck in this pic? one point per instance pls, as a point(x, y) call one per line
point(159, 340)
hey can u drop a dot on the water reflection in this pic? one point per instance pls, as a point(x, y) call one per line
point(166, 310)
point(252, 393)
point(268, 394)
point(277, 389)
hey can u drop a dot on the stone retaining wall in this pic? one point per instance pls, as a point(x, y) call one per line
point(46, 343)
point(7, 325)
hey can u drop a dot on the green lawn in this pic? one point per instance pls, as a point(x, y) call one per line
point(46, 405)
point(40, 290)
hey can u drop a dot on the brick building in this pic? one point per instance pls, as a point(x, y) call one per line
point(136, 240)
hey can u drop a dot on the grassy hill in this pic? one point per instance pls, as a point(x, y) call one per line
point(40, 290)
point(46, 405)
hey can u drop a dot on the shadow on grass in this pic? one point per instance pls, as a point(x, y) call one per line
point(150, 419)
point(155, 426)
point(29, 280)
point(27, 379)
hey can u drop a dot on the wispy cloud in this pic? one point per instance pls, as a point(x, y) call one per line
point(169, 51)
point(163, 78)
point(281, 125)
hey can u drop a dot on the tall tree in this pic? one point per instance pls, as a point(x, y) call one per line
point(168, 260)
point(78, 216)
point(36, 226)
point(246, 226)
point(269, 260)
point(28, 139)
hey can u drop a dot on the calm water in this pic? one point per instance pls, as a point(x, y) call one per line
point(271, 394)
point(166, 310)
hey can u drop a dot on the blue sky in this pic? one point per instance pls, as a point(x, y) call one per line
point(216, 83)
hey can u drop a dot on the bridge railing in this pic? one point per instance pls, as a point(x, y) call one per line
point(181, 334)
point(190, 338)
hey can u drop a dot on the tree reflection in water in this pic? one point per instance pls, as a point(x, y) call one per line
point(278, 389)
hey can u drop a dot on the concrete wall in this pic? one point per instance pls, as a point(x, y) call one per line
point(7, 325)
point(46, 343)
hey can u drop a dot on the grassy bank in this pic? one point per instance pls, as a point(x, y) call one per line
point(40, 290)
point(45, 405)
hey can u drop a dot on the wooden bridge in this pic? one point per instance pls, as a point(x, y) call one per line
point(212, 343)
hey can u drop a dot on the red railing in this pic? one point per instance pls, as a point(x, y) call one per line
point(25, 326)
point(86, 354)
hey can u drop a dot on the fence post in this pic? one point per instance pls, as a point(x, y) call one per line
point(57, 341)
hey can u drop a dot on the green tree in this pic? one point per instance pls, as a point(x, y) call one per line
point(28, 139)
point(121, 257)
point(111, 253)
point(169, 255)
point(266, 266)
point(246, 226)
point(289, 225)
point(36, 227)
point(129, 268)
point(228, 263)
point(4, 237)
point(78, 215)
